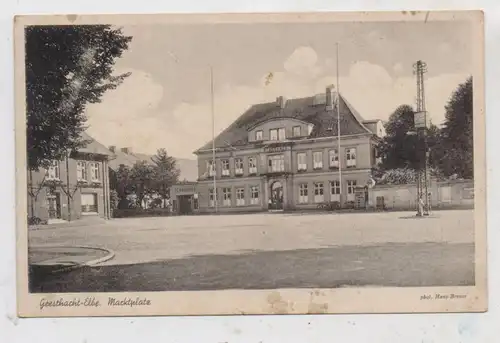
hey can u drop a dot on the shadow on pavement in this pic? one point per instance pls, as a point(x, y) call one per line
point(396, 265)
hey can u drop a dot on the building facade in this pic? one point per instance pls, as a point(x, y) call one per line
point(184, 197)
point(72, 188)
point(285, 155)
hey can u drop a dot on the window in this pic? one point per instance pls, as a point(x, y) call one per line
point(89, 203)
point(309, 129)
point(281, 134)
point(273, 134)
point(240, 196)
point(333, 157)
point(238, 165)
point(296, 131)
point(303, 194)
point(335, 191)
point(318, 160)
point(351, 186)
point(53, 172)
point(301, 161)
point(252, 165)
point(258, 135)
point(277, 163)
point(351, 157)
point(95, 175)
point(226, 196)
point(211, 168)
point(81, 171)
point(319, 195)
point(225, 167)
point(254, 195)
point(211, 197)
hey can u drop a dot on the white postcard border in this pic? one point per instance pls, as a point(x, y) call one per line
point(276, 301)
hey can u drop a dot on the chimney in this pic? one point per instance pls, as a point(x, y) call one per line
point(126, 150)
point(329, 97)
point(281, 101)
point(112, 148)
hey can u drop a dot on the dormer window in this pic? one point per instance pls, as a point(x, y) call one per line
point(258, 135)
point(309, 129)
point(296, 131)
point(277, 134)
point(273, 134)
point(281, 134)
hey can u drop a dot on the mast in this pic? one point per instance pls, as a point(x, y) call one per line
point(420, 69)
point(214, 166)
point(338, 127)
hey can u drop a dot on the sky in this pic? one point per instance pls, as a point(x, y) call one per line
point(166, 102)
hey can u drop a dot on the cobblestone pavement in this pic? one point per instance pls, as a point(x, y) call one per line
point(143, 240)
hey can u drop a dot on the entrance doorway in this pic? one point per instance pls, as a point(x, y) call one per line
point(276, 199)
point(54, 205)
point(185, 204)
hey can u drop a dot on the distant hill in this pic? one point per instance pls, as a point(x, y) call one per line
point(125, 156)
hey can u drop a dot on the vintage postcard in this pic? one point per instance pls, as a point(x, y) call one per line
point(250, 163)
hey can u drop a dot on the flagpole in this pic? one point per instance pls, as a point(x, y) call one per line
point(338, 127)
point(214, 165)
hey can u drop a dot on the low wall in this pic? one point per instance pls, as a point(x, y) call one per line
point(449, 194)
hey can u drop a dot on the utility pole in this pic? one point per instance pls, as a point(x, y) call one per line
point(421, 125)
point(338, 129)
point(214, 165)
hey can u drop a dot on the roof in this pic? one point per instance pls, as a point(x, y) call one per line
point(309, 109)
point(128, 159)
point(93, 146)
point(370, 121)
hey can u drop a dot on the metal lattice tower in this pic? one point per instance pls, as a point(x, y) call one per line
point(423, 199)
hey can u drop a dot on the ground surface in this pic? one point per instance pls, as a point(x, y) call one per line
point(63, 255)
point(268, 251)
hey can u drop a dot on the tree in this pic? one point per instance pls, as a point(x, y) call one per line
point(67, 67)
point(457, 138)
point(113, 200)
point(166, 173)
point(142, 177)
point(120, 181)
point(34, 190)
point(399, 149)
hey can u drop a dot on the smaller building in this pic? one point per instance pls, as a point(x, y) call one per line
point(184, 198)
point(72, 188)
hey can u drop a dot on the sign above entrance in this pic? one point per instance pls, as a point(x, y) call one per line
point(275, 148)
point(183, 190)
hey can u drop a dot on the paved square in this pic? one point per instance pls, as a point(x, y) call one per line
point(269, 251)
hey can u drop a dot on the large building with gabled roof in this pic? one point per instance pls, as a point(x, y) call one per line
point(284, 155)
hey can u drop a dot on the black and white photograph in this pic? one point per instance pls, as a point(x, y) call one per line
point(250, 164)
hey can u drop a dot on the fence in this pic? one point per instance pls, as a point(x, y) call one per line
point(448, 194)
